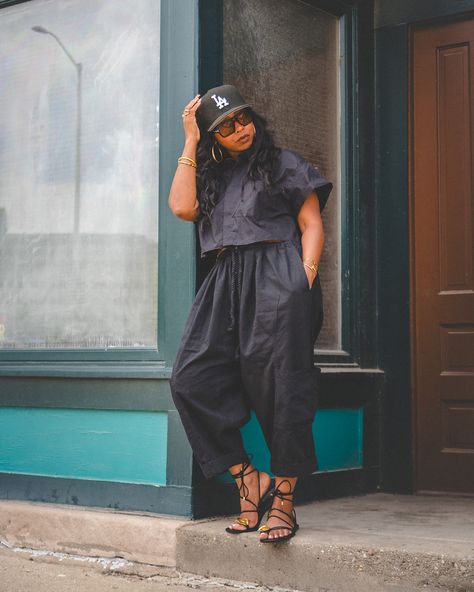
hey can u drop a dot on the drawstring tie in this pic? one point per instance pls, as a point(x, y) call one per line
point(236, 276)
point(235, 270)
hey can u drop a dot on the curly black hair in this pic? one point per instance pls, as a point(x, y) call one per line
point(262, 163)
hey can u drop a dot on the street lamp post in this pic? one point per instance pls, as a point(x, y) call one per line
point(78, 68)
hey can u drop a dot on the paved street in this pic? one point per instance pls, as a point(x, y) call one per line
point(22, 571)
point(28, 570)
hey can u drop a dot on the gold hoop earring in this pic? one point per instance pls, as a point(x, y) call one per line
point(214, 154)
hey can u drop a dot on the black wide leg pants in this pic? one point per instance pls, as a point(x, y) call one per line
point(248, 345)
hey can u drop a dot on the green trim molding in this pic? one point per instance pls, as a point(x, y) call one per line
point(103, 494)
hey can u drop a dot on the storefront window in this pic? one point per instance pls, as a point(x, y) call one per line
point(79, 102)
point(285, 58)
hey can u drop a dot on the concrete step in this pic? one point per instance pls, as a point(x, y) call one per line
point(136, 536)
point(382, 542)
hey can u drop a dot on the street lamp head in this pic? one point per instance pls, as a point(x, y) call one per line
point(39, 29)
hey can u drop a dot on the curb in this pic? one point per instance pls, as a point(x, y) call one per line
point(308, 564)
point(137, 537)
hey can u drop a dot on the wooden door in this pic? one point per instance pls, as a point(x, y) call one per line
point(442, 248)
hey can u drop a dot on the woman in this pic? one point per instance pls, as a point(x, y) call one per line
point(248, 342)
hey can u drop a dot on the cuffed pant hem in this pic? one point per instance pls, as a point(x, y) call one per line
point(219, 465)
point(295, 469)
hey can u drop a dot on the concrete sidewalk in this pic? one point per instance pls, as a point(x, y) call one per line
point(377, 542)
point(371, 542)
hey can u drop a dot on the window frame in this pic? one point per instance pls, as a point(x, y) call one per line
point(175, 240)
point(357, 238)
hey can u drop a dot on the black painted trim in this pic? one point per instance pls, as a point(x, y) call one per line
point(105, 494)
point(393, 340)
point(390, 13)
point(211, 53)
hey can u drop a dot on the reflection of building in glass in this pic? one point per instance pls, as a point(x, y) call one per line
point(77, 168)
point(296, 43)
point(52, 299)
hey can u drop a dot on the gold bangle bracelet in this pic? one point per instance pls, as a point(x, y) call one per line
point(314, 268)
point(188, 161)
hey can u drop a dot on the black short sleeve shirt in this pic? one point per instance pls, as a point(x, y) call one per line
point(246, 212)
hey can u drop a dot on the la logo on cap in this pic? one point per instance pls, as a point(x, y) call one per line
point(221, 102)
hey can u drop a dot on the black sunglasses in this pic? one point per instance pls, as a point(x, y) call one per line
point(227, 127)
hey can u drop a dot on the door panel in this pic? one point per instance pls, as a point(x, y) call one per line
point(443, 249)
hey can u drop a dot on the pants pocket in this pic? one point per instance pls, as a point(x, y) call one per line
point(299, 265)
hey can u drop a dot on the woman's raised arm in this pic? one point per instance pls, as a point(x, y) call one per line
point(182, 199)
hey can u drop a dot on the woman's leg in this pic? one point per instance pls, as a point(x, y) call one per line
point(279, 318)
point(252, 487)
point(205, 383)
point(282, 509)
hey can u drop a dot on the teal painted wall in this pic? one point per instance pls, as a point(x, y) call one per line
point(337, 435)
point(124, 446)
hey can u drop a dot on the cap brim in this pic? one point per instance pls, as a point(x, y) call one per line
point(222, 116)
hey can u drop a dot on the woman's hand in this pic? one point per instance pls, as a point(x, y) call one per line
point(310, 275)
point(191, 129)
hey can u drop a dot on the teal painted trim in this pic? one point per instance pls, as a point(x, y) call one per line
point(179, 65)
point(338, 435)
point(100, 494)
point(124, 446)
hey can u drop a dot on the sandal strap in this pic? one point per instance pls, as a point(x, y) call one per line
point(280, 494)
point(291, 516)
point(242, 511)
point(243, 489)
point(240, 474)
point(283, 496)
point(270, 528)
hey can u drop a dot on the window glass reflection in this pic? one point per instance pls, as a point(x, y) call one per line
point(79, 98)
point(284, 57)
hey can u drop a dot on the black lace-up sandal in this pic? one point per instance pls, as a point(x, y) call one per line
point(260, 508)
point(292, 526)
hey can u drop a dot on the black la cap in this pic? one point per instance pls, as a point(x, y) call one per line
point(217, 103)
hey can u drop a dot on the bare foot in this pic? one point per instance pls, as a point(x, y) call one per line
point(249, 490)
point(277, 519)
